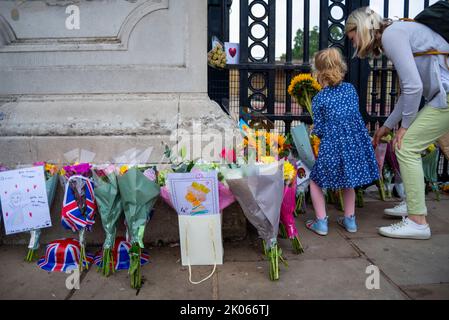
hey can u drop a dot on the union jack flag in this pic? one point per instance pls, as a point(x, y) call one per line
point(62, 255)
point(120, 252)
point(71, 215)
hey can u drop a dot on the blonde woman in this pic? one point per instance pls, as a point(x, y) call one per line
point(425, 75)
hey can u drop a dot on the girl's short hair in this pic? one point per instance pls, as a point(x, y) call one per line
point(368, 26)
point(330, 67)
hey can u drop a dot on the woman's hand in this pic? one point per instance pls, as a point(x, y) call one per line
point(397, 141)
point(381, 132)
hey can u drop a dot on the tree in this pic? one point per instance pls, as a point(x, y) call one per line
point(314, 40)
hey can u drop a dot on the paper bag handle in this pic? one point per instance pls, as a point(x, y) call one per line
point(188, 257)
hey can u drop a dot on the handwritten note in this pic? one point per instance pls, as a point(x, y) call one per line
point(194, 193)
point(23, 198)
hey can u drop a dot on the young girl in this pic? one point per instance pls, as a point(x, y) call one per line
point(346, 157)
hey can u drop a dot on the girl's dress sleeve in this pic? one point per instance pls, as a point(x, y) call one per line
point(318, 117)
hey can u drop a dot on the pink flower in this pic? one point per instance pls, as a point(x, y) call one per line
point(80, 169)
point(229, 155)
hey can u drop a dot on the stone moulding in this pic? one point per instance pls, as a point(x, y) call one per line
point(118, 43)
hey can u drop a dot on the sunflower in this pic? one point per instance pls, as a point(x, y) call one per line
point(303, 88)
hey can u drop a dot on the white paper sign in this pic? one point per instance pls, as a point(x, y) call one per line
point(232, 52)
point(194, 193)
point(23, 197)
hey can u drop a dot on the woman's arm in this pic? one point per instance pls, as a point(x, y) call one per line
point(397, 47)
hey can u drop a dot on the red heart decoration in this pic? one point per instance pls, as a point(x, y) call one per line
point(28, 190)
point(16, 186)
point(6, 213)
point(35, 186)
point(31, 215)
point(232, 51)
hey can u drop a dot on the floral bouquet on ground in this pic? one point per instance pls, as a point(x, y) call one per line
point(225, 195)
point(288, 225)
point(110, 208)
point(79, 206)
point(259, 190)
point(51, 183)
point(138, 191)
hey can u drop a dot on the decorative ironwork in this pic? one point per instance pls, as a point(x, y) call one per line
point(260, 83)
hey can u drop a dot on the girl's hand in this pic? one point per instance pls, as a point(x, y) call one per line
point(381, 132)
point(397, 141)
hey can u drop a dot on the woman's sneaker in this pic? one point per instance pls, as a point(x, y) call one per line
point(348, 223)
point(398, 211)
point(318, 226)
point(406, 229)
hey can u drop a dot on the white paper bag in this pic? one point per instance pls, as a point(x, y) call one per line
point(201, 240)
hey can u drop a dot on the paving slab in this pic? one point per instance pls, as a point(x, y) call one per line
point(164, 278)
point(409, 262)
point(438, 291)
point(315, 247)
point(24, 280)
point(371, 217)
point(310, 279)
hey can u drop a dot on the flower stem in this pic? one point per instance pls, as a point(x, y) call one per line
point(282, 231)
point(297, 246)
point(30, 255)
point(134, 266)
point(381, 187)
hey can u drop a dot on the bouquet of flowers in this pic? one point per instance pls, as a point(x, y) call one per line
point(216, 57)
point(259, 190)
point(79, 206)
point(138, 191)
point(225, 196)
point(303, 88)
point(288, 226)
point(110, 208)
point(51, 183)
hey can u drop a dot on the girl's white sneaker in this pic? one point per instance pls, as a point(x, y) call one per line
point(406, 229)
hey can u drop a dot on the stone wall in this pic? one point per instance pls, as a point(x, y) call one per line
point(132, 76)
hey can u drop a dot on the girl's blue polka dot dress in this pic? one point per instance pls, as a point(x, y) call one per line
point(346, 157)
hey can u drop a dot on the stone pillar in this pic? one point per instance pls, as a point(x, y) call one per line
point(133, 75)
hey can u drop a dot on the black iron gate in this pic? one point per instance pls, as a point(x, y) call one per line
point(258, 84)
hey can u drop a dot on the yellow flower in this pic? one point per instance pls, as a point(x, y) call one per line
point(267, 159)
point(431, 148)
point(123, 169)
point(303, 80)
point(303, 88)
point(62, 172)
point(51, 168)
point(289, 171)
point(315, 141)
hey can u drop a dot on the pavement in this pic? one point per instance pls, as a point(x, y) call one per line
point(332, 267)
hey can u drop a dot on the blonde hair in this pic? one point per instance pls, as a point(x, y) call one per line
point(330, 68)
point(369, 26)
